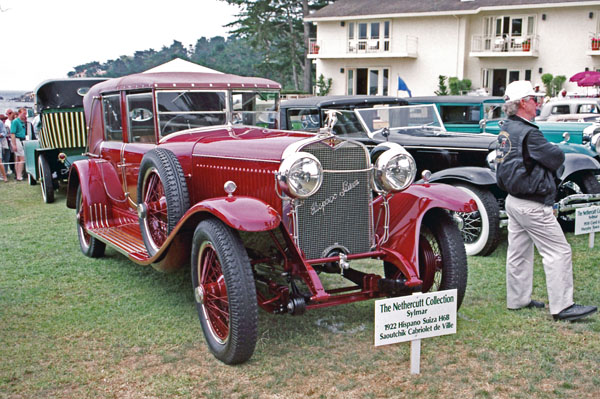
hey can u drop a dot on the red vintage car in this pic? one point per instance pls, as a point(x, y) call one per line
point(189, 169)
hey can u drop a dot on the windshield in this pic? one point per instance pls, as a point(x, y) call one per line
point(180, 110)
point(404, 118)
point(255, 108)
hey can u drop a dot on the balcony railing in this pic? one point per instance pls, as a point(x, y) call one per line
point(399, 47)
point(505, 44)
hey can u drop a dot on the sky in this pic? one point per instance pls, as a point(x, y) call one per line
point(51, 37)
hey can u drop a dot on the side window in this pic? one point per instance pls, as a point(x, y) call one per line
point(113, 126)
point(140, 118)
point(307, 119)
point(460, 114)
point(587, 109)
point(560, 110)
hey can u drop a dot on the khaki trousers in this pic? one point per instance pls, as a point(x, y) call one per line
point(531, 223)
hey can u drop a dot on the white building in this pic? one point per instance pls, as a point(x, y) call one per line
point(366, 45)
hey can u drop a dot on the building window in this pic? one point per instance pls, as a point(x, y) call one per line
point(373, 36)
point(350, 82)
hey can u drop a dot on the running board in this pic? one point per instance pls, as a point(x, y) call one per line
point(125, 238)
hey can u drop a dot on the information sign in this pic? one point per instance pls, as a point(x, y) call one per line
point(414, 317)
point(587, 220)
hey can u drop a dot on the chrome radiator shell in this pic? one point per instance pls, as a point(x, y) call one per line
point(339, 215)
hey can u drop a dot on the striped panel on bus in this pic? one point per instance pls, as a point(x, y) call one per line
point(64, 129)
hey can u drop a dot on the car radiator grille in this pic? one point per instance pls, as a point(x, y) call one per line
point(339, 214)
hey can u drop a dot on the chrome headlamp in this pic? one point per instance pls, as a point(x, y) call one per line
point(300, 175)
point(589, 132)
point(395, 169)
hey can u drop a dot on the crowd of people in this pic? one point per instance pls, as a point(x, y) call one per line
point(14, 129)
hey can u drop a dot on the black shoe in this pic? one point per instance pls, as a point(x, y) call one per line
point(532, 304)
point(575, 312)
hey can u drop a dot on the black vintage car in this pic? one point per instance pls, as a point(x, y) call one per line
point(308, 113)
point(464, 160)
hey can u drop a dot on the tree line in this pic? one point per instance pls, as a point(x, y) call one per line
point(269, 39)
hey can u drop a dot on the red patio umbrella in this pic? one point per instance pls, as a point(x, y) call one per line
point(590, 80)
point(582, 75)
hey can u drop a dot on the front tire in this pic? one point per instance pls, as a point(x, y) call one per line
point(46, 180)
point(442, 257)
point(162, 195)
point(481, 229)
point(90, 246)
point(224, 292)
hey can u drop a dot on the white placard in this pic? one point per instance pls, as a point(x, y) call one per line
point(587, 220)
point(414, 317)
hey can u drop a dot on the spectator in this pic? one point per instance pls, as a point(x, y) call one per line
point(10, 115)
point(18, 135)
point(526, 168)
point(4, 148)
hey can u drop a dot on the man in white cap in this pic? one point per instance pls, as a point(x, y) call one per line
point(526, 166)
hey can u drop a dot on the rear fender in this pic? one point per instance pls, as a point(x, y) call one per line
point(239, 213)
point(407, 210)
point(471, 174)
point(578, 162)
point(85, 173)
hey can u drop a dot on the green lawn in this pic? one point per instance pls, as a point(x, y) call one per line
point(75, 327)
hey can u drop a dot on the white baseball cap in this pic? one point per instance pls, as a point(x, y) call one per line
point(518, 89)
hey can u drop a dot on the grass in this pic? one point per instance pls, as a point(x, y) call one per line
point(75, 327)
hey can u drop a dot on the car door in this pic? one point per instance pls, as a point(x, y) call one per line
point(141, 137)
point(112, 148)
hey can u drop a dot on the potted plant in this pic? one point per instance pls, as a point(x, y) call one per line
point(527, 45)
point(316, 49)
point(595, 43)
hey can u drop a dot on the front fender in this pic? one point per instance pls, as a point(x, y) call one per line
point(407, 210)
point(85, 173)
point(471, 174)
point(571, 148)
point(239, 213)
point(578, 162)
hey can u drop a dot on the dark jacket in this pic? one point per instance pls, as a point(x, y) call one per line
point(526, 162)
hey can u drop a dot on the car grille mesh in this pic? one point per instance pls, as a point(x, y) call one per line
point(339, 214)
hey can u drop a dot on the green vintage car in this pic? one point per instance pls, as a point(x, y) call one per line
point(481, 114)
point(62, 135)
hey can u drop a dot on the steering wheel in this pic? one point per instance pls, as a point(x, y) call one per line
point(168, 129)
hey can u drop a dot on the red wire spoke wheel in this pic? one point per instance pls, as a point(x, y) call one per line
point(224, 291)
point(442, 256)
point(89, 245)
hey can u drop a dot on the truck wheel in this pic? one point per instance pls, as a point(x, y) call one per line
point(442, 257)
point(46, 180)
point(162, 196)
point(224, 292)
point(585, 183)
point(481, 229)
point(90, 246)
